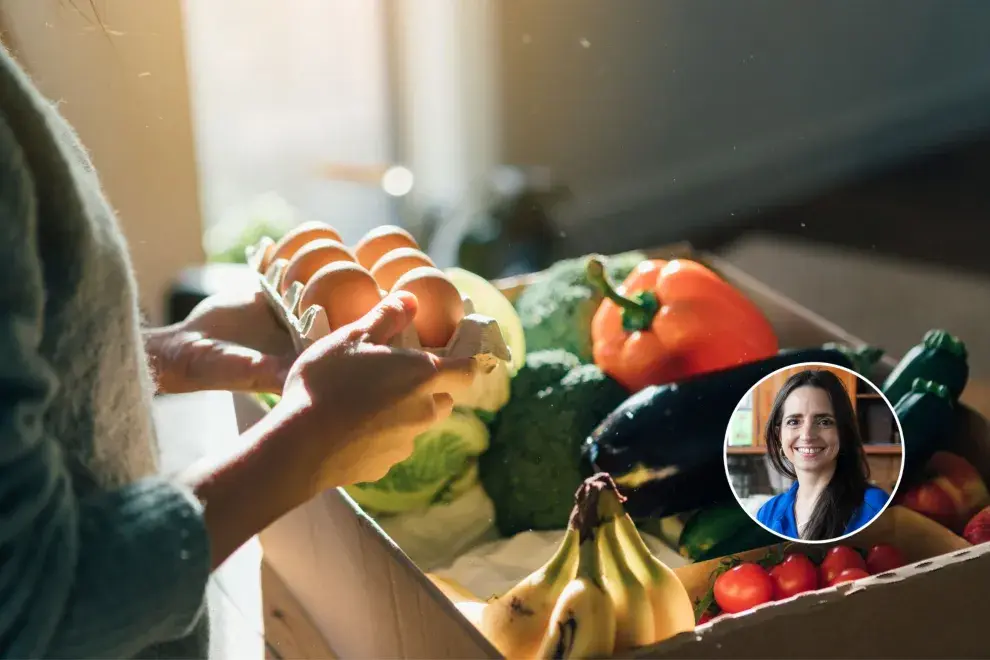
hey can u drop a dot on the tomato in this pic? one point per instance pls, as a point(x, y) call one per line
point(795, 575)
point(708, 617)
point(837, 560)
point(849, 575)
point(742, 587)
point(884, 557)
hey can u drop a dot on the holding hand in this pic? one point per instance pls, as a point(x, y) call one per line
point(350, 410)
point(360, 403)
point(230, 341)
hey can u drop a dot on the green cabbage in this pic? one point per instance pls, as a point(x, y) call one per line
point(444, 458)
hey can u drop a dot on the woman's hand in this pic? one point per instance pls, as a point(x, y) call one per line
point(350, 410)
point(229, 341)
point(364, 401)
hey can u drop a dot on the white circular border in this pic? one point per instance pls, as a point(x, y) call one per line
point(900, 474)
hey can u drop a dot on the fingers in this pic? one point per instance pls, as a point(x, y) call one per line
point(452, 376)
point(238, 369)
point(270, 374)
point(388, 318)
point(443, 405)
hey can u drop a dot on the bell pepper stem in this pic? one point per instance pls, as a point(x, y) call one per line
point(922, 386)
point(863, 358)
point(637, 312)
point(940, 340)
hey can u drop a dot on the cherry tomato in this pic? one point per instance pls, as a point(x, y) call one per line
point(708, 617)
point(795, 575)
point(742, 587)
point(837, 560)
point(849, 575)
point(884, 557)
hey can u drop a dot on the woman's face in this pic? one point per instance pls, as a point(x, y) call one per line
point(808, 434)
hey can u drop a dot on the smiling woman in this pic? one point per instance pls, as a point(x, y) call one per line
point(813, 437)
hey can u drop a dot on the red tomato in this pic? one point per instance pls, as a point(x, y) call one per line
point(795, 575)
point(849, 575)
point(708, 617)
point(742, 587)
point(884, 557)
point(837, 560)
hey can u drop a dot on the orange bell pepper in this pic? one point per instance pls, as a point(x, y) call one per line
point(670, 320)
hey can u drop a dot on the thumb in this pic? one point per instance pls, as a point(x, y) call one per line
point(388, 318)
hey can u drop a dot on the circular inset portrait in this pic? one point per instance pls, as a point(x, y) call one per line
point(814, 452)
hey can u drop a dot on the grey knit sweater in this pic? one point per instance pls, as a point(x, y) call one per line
point(98, 556)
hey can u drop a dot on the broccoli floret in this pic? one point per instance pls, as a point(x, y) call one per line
point(556, 310)
point(533, 464)
point(540, 369)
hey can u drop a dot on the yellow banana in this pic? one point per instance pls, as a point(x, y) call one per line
point(452, 589)
point(469, 605)
point(670, 604)
point(672, 610)
point(516, 622)
point(582, 624)
point(634, 619)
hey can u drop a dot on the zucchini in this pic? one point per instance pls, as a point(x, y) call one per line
point(664, 445)
point(939, 357)
point(721, 530)
point(928, 420)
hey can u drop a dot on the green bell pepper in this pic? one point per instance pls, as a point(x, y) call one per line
point(939, 357)
point(928, 419)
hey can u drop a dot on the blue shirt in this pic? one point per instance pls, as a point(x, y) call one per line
point(778, 513)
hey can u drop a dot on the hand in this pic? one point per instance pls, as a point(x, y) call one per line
point(350, 410)
point(365, 402)
point(229, 341)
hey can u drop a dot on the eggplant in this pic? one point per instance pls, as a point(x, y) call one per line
point(664, 446)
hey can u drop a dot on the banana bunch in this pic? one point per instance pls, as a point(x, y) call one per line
point(601, 593)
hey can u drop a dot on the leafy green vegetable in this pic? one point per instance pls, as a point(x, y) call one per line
point(533, 466)
point(442, 455)
point(556, 310)
point(459, 485)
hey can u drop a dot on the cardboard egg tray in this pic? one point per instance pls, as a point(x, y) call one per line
point(476, 335)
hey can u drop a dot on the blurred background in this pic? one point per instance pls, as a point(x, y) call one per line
point(835, 149)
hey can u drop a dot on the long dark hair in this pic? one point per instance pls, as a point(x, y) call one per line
point(844, 493)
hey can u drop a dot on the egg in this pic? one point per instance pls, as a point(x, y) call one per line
point(440, 306)
point(311, 257)
point(344, 290)
point(290, 243)
point(381, 240)
point(397, 263)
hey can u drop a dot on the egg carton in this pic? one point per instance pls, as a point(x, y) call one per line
point(477, 335)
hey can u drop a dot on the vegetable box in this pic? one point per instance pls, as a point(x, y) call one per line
point(368, 599)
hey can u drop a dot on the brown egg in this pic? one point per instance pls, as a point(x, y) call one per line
point(397, 263)
point(311, 257)
point(440, 306)
point(345, 290)
point(381, 240)
point(287, 246)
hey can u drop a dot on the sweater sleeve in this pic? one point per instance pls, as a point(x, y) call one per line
point(98, 577)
